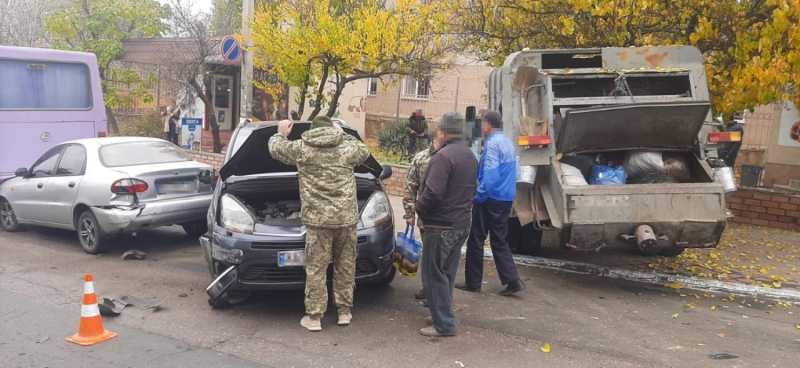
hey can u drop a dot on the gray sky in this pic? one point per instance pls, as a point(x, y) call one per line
point(197, 5)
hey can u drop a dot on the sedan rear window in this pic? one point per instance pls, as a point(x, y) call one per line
point(141, 153)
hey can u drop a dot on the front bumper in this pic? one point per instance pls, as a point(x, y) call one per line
point(128, 219)
point(257, 267)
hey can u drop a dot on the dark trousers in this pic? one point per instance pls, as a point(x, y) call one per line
point(439, 267)
point(412, 143)
point(490, 217)
point(172, 136)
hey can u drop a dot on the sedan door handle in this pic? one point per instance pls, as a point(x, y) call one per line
point(40, 185)
point(72, 184)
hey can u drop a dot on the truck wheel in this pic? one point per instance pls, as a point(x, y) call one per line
point(523, 239)
point(671, 252)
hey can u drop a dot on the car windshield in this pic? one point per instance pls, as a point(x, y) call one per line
point(141, 153)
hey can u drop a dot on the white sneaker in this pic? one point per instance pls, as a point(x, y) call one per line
point(344, 318)
point(311, 323)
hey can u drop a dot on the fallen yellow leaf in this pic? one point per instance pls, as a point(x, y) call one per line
point(546, 348)
point(798, 326)
point(675, 315)
point(689, 305)
point(713, 307)
point(491, 274)
point(675, 286)
point(721, 335)
point(743, 316)
point(776, 284)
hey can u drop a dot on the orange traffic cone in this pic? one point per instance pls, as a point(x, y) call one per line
point(91, 330)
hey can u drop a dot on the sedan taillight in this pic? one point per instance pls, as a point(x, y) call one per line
point(128, 186)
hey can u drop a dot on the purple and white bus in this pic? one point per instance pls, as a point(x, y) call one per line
point(46, 97)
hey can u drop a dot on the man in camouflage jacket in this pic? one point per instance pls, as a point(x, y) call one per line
point(414, 179)
point(325, 157)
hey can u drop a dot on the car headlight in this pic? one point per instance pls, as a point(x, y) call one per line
point(235, 217)
point(377, 211)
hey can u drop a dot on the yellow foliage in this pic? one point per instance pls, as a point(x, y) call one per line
point(310, 43)
point(751, 47)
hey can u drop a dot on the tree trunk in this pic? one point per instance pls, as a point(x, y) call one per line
point(320, 91)
point(211, 115)
point(112, 121)
point(334, 102)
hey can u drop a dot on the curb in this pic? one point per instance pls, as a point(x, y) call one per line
point(652, 278)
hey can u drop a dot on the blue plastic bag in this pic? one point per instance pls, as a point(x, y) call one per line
point(411, 251)
point(607, 175)
point(400, 245)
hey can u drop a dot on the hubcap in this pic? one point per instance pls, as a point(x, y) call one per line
point(7, 215)
point(87, 233)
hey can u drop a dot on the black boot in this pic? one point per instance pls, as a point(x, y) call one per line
point(465, 287)
point(513, 288)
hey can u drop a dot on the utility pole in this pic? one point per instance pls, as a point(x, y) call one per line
point(458, 84)
point(246, 98)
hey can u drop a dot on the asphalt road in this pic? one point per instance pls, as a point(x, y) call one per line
point(588, 321)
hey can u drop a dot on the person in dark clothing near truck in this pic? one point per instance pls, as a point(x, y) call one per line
point(497, 177)
point(730, 150)
point(444, 205)
point(417, 128)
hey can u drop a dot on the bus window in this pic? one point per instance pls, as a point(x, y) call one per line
point(44, 85)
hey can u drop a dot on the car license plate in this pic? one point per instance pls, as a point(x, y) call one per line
point(178, 187)
point(292, 258)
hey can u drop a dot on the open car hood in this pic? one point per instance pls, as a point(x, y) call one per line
point(662, 125)
point(253, 157)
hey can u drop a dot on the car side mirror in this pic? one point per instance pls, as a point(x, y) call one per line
point(207, 176)
point(21, 172)
point(386, 173)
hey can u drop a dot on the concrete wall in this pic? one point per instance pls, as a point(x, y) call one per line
point(782, 162)
point(469, 81)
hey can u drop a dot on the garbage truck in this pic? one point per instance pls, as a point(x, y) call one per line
point(594, 110)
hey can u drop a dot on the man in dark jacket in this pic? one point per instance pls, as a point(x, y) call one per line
point(729, 150)
point(444, 205)
point(417, 128)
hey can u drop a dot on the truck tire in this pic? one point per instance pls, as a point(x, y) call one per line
point(523, 239)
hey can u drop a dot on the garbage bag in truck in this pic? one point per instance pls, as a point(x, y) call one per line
point(640, 162)
point(572, 176)
point(607, 175)
point(676, 166)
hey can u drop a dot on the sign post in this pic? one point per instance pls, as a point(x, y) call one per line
point(191, 133)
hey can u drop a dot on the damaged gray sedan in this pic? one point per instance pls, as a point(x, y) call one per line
point(102, 187)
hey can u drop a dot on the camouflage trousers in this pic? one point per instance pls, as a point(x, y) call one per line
point(321, 243)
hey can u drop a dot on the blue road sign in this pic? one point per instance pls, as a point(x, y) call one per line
point(230, 49)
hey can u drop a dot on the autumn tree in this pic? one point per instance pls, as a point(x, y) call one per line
point(750, 46)
point(101, 27)
point(314, 44)
point(226, 17)
point(22, 21)
point(194, 44)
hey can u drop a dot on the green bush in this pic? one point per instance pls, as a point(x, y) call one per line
point(150, 125)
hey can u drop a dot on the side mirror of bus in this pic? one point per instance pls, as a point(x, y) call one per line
point(21, 172)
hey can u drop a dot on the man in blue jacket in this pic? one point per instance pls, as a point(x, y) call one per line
point(497, 176)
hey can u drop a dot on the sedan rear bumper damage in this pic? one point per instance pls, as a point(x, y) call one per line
point(128, 219)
